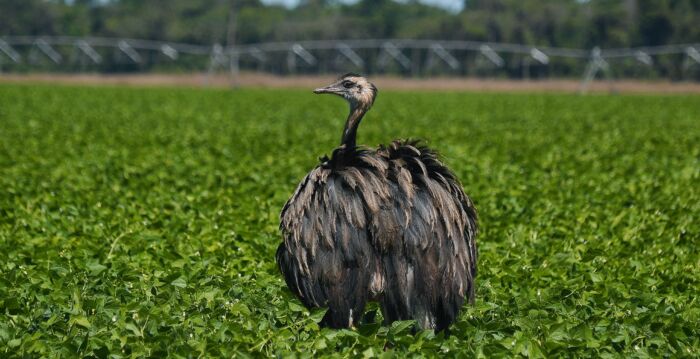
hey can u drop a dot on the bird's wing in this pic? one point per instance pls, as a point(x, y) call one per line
point(327, 256)
point(431, 267)
point(428, 193)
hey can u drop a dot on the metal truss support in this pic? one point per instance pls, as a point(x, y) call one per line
point(129, 51)
point(439, 51)
point(296, 50)
point(49, 51)
point(596, 64)
point(693, 57)
point(693, 54)
point(6, 49)
point(169, 51)
point(257, 54)
point(539, 56)
point(389, 50)
point(643, 57)
point(305, 55)
point(88, 51)
point(491, 55)
point(351, 55)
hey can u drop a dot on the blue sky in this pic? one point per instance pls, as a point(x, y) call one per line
point(453, 5)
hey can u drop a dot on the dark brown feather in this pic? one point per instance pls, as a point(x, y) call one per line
point(396, 220)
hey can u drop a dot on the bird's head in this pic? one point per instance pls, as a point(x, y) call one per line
point(353, 88)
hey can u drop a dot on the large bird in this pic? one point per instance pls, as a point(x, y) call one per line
point(391, 225)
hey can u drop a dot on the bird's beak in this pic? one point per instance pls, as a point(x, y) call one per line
point(321, 90)
point(334, 89)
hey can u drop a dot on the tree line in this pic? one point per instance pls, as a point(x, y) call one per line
point(556, 23)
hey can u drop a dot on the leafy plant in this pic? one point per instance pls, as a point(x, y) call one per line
point(143, 222)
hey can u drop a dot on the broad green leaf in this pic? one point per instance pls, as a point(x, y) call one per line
point(179, 282)
point(81, 321)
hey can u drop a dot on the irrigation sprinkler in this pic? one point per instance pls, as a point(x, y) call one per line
point(411, 56)
point(8, 51)
point(596, 64)
point(217, 59)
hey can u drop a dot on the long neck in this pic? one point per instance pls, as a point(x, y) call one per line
point(357, 111)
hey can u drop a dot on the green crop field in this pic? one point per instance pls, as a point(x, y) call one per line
point(143, 222)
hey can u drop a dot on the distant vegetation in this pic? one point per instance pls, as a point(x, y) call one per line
point(561, 23)
point(144, 222)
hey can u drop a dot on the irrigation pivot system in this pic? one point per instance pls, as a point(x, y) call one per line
point(400, 56)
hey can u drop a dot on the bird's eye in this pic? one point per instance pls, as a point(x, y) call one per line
point(347, 84)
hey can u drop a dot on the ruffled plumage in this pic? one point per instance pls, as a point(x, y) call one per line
point(391, 225)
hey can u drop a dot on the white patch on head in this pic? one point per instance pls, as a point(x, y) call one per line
point(362, 92)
